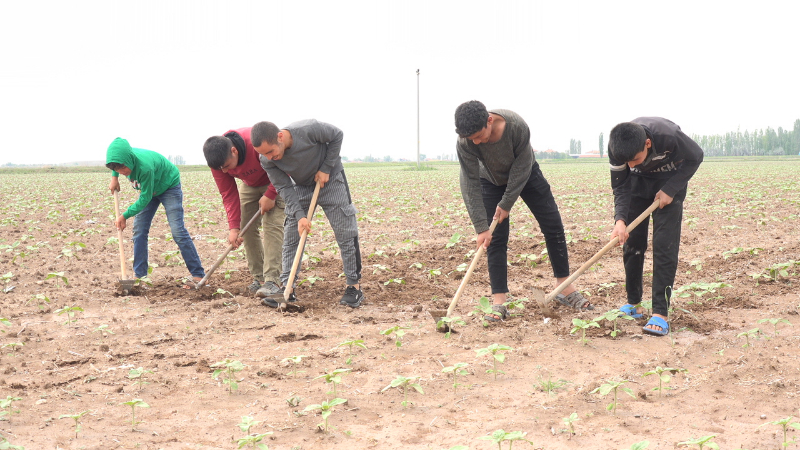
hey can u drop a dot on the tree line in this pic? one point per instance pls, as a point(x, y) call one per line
point(759, 142)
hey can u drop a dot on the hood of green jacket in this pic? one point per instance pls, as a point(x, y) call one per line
point(120, 152)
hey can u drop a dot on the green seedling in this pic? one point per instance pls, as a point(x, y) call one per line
point(456, 369)
point(7, 406)
point(14, 347)
point(326, 409)
point(663, 377)
point(612, 316)
point(76, 418)
point(5, 445)
point(294, 400)
point(775, 323)
point(580, 324)
point(295, 361)
point(227, 274)
point(640, 445)
point(482, 309)
point(702, 442)
point(606, 388)
point(103, 330)
point(222, 292)
point(454, 239)
point(333, 378)
point(40, 300)
point(433, 273)
point(138, 375)
point(5, 278)
point(569, 422)
point(446, 323)
point(379, 268)
point(253, 441)
point(247, 423)
point(350, 344)
point(394, 280)
point(59, 276)
point(398, 331)
point(5, 322)
point(229, 368)
point(754, 333)
point(513, 305)
point(497, 356)
point(416, 265)
point(310, 280)
point(404, 383)
point(135, 403)
point(70, 312)
point(550, 386)
point(785, 424)
point(499, 436)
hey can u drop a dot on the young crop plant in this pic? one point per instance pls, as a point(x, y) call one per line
point(775, 323)
point(496, 350)
point(404, 383)
point(59, 276)
point(446, 323)
point(399, 332)
point(394, 280)
point(610, 386)
point(754, 333)
point(103, 330)
point(699, 289)
point(251, 440)
point(7, 407)
point(5, 322)
point(640, 445)
point(569, 422)
point(5, 278)
point(311, 279)
point(550, 386)
point(229, 368)
point(663, 376)
point(612, 316)
point(785, 424)
point(701, 443)
point(326, 408)
point(135, 403)
point(77, 418)
point(6, 445)
point(350, 344)
point(222, 292)
point(500, 436)
point(41, 299)
point(456, 369)
point(294, 361)
point(433, 273)
point(14, 346)
point(515, 305)
point(334, 378)
point(482, 309)
point(138, 375)
point(580, 324)
point(70, 312)
point(454, 239)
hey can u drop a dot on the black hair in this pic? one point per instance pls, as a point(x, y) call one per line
point(471, 117)
point(115, 166)
point(626, 140)
point(264, 132)
point(217, 150)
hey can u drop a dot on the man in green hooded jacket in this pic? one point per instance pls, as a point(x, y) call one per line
point(158, 182)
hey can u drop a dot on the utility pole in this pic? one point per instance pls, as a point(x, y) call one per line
point(417, 119)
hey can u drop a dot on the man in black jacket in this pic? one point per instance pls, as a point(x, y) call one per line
point(651, 159)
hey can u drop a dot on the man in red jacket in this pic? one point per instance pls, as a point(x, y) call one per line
point(232, 156)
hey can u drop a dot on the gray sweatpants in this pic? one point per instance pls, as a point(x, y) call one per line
point(338, 206)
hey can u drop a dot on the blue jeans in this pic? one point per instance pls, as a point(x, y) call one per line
point(172, 199)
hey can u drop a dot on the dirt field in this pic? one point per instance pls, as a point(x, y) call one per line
point(740, 219)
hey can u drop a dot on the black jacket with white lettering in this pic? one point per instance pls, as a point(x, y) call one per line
point(673, 155)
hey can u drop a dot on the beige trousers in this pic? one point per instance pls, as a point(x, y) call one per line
point(264, 257)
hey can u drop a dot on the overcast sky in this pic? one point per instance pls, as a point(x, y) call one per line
point(168, 74)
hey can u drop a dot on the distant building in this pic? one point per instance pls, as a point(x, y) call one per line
point(590, 154)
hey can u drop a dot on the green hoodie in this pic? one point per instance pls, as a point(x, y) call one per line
point(151, 172)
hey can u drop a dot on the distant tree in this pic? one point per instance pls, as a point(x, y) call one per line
point(600, 146)
point(578, 148)
point(370, 158)
point(572, 146)
point(422, 157)
point(345, 158)
point(387, 158)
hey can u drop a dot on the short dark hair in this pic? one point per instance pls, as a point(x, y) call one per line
point(626, 140)
point(115, 166)
point(217, 150)
point(264, 131)
point(471, 117)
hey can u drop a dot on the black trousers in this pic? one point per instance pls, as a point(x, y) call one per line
point(539, 198)
point(666, 242)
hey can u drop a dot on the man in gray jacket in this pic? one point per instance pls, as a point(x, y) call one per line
point(497, 168)
point(296, 158)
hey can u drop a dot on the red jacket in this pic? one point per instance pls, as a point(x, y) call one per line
point(249, 171)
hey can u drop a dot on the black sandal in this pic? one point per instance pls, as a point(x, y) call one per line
point(500, 310)
point(576, 301)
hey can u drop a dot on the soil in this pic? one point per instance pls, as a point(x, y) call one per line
point(178, 334)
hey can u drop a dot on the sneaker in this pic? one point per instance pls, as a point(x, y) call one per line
point(352, 297)
point(268, 289)
point(254, 286)
point(274, 300)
